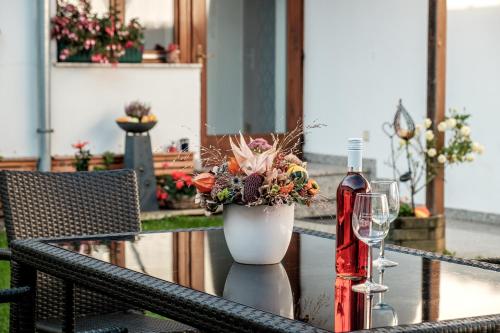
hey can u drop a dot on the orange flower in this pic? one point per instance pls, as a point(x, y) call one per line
point(204, 182)
point(233, 166)
point(312, 187)
point(287, 188)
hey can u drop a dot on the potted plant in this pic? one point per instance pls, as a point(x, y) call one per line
point(82, 156)
point(176, 191)
point(258, 187)
point(84, 37)
point(415, 227)
point(138, 118)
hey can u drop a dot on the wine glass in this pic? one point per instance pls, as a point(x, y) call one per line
point(383, 314)
point(389, 187)
point(370, 224)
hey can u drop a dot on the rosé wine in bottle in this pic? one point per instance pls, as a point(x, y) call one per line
point(351, 253)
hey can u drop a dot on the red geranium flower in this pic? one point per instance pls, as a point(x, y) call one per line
point(179, 184)
point(80, 144)
point(161, 194)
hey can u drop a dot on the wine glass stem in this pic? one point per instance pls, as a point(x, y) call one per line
point(369, 264)
point(382, 250)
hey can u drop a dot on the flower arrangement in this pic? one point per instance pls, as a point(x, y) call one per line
point(418, 144)
point(79, 31)
point(82, 156)
point(137, 112)
point(175, 187)
point(257, 173)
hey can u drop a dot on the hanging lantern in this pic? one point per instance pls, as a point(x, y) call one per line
point(403, 124)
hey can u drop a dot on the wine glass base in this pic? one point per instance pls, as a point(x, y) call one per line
point(381, 263)
point(369, 288)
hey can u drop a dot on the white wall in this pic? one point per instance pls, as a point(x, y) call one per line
point(18, 78)
point(86, 100)
point(473, 82)
point(361, 56)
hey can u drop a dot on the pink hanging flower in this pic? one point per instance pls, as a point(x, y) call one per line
point(96, 58)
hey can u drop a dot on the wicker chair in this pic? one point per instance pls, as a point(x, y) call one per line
point(43, 204)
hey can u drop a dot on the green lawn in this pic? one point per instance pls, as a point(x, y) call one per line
point(164, 224)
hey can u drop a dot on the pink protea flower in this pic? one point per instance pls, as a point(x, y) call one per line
point(259, 144)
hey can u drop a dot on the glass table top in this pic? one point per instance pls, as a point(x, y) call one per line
point(304, 286)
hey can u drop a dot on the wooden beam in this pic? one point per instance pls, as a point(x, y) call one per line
point(183, 28)
point(436, 93)
point(431, 280)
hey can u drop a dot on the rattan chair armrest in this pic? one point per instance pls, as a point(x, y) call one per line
point(5, 254)
point(13, 294)
point(108, 330)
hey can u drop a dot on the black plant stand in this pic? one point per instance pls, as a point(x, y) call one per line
point(139, 156)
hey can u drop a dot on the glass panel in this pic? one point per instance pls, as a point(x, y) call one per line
point(157, 16)
point(246, 68)
point(100, 7)
point(304, 286)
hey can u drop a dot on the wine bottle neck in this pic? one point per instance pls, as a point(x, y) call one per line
point(354, 160)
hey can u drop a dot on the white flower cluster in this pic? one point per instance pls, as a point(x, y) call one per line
point(449, 123)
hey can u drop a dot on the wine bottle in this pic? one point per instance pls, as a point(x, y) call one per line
point(351, 253)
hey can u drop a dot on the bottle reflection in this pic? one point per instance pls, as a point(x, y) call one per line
point(383, 314)
point(264, 287)
point(352, 310)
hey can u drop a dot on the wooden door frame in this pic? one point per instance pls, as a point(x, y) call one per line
point(191, 30)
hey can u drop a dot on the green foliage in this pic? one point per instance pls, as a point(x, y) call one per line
point(405, 210)
point(108, 158)
point(178, 222)
point(449, 253)
point(4, 283)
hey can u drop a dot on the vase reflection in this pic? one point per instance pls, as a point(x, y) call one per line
point(264, 287)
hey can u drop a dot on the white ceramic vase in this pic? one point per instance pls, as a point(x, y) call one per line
point(258, 235)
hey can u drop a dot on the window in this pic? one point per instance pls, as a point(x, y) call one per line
point(157, 17)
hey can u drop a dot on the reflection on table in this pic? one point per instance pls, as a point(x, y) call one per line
point(304, 286)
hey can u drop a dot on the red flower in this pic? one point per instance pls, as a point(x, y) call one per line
point(129, 44)
point(172, 47)
point(96, 58)
point(80, 144)
point(110, 31)
point(161, 194)
point(188, 180)
point(176, 175)
point(179, 184)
